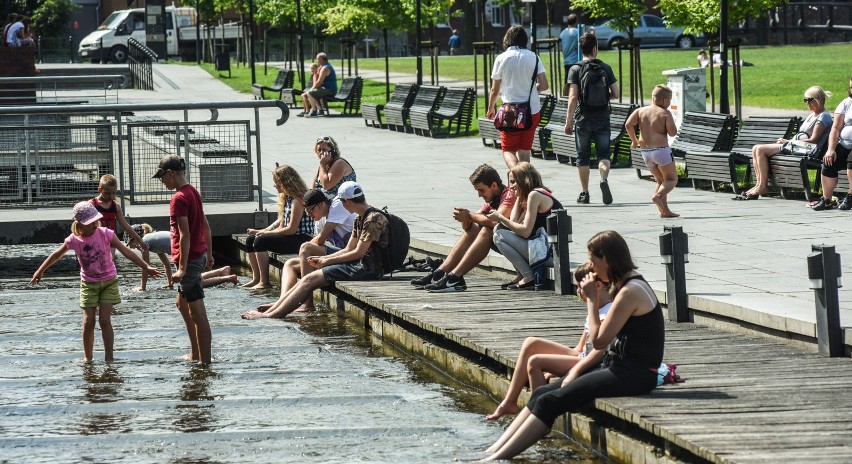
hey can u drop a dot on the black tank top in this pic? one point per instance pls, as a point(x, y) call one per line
point(641, 341)
point(541, 218)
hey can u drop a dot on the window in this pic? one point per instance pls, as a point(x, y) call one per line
point(498, 15)
point(653, 21)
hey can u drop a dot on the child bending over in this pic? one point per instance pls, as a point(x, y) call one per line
point(656, 124)
point(99, 284)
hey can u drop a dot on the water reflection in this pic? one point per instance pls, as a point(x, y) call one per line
point(194, 415)
point(102, 384)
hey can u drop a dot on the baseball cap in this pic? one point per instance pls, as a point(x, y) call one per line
point(169, 163)
point(349, 190)
point(314, 197)
point(85, 213)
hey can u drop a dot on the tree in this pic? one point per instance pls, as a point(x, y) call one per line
point(624, 14)
point(50, 17)
point(696, 16)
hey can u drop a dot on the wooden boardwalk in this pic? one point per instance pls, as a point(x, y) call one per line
point(746, 398)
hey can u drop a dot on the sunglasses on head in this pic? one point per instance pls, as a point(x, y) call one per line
point(325, 139)
point(808, 99)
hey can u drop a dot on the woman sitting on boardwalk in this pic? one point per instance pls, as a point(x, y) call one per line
point(627, 369)
point(333, 170)
point(815, 129)
point(285, 235)
point(526, 223)
point(539, 356)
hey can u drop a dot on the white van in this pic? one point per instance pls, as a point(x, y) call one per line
point(109, 42)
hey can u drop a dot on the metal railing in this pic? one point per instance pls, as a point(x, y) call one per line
point(141, 59)
point(53, 90)
point(55, 155)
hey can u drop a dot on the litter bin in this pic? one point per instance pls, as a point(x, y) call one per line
point(223, 58)
point(689, 91)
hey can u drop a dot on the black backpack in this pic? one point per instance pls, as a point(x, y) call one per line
point(594, 91)
point(399, 238)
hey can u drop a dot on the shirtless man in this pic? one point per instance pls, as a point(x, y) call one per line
point(656, 124)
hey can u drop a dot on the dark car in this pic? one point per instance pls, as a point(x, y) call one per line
point(653, 32)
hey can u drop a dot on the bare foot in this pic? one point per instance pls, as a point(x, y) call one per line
point(250, 283)
point(252, 315)
point(109, 360)
point(263, 307)
point(502, 410)
point(188, 357)
point(305, 309)
point(226, 270)
point(669, 214)
point(658, 202)
point(260, 286)
point(234, 279)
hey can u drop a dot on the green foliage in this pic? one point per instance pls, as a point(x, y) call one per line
point(624, 13)
point(697, 16)
point(52, 16)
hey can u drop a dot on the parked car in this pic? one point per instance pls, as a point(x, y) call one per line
point(651, 29)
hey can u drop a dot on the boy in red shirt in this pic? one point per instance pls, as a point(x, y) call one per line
point(191, 252)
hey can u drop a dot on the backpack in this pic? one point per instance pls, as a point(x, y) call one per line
point(594, 91)
point(399, 238)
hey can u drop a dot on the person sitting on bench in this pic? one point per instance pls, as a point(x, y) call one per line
point(324, 85)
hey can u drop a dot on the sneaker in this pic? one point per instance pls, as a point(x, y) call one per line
point(824, 204)
point(847, 202)
point(444, 285)
point(606, 195)
point(301, 115)
point(422, 281)
point(312, 114)
point(583, 198)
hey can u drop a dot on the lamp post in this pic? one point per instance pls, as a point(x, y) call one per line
point(419, 58)
point(299, 43)
point(724, 105)
point(251, 40)
point(197, 34)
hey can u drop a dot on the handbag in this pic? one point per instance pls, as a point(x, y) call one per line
point(801, 148)
point(516, 117)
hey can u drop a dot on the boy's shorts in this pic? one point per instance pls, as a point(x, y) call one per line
point(352, 271)
point(190, 285)
point(661, 156)
point(93, 294)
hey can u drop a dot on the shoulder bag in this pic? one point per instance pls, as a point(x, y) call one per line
point(801, 148)
point(516, 117)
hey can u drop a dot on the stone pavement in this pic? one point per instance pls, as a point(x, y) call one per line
point(746, 262)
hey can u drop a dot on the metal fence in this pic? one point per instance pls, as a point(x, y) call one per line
point(61, 89)
point(141, 59)
point(55, 155)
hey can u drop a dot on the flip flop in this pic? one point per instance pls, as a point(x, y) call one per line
point(745, 197)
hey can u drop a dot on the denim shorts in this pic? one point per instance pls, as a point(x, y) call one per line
point(190, 285)
point(595, 131)
point(355, 270)
point(93, 294)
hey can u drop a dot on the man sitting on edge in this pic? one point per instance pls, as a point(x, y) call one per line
point(334, 227)
point(359, 260)
point(475, 242)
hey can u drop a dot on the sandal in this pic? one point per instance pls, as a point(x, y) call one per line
point(746, 197)
point(525, 286)
point(506, 285)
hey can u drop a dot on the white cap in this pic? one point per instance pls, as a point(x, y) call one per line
point(349, 190)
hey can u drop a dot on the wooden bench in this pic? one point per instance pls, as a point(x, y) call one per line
point(556, 123)
point(402, 95)
point(456, 108)
point(565, 146)
point(491, 136)
point(721, 166)
point(428, 98)
point(349, 93)
point(698, 132)
point(283, 81)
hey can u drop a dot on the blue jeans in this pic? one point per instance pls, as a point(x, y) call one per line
point(588, 131)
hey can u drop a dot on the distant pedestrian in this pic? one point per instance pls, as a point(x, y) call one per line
point(14, 33)
point(570, 39)
point(592, 85)
point(455, 42)
point(98, 276)
point(191, 251)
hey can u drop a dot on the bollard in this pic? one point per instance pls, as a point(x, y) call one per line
point(559, 230)
point(824, 274)
point(673, 248)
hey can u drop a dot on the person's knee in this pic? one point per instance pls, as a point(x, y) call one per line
point(88, 322)
point(530, 342)
point(313, 280)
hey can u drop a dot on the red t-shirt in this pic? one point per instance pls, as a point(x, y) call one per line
point(187, 202)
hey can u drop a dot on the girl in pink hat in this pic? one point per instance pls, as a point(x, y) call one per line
point(98, 282)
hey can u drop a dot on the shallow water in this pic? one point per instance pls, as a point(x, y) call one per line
point(313, 388)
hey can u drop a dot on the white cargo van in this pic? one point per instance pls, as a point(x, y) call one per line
point(109, 42)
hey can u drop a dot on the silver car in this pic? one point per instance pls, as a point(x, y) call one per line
point(651, 29)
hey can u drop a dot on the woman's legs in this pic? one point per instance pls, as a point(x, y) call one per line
point(557, 364)
point(88, 332)
point(262, 259)
point(527, 434)
point(255, 271)
point(510, 430)
point(760, 159)
point(515, 249)
point(532, 346)
point(106, 330)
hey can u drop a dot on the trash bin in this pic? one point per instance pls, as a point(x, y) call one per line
point(223, 58)
point(689, 91)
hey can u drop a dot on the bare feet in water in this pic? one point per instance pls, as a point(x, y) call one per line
point(263, 307)
point(502, 410)
point(305, 309)
point(250, 283)
point(260, 286)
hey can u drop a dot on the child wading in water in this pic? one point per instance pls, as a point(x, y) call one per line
point(111, 214)
point(99, 284)
point(655, 125)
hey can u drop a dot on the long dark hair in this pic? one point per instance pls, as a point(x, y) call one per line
point(516, 36)
point(609, 245)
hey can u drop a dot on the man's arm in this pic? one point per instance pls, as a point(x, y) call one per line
point(572, 106)
point(324, 234)
point(323, 73)
point(630, 127)
point(614, 92)
point(343, 256)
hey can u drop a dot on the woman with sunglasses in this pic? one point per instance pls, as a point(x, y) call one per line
point(628, 369)
point(333, 170)
point(285, 235)
point(815, 129)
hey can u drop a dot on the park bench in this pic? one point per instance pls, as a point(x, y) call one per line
point(283, 82)
point(698, 132)
point(456, 108)
point(721, 166)
point(556, 123)
point(428, 98)
point(565, 146)
point(487, 131)
point(402, 96)
point(811, 190)
point(349, 93)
